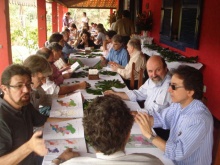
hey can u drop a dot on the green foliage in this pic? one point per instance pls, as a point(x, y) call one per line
point(171, 56)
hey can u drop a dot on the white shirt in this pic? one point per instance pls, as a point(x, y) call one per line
point(139, 61)
point(156, 96)
point(118, 158)
point(50, 87)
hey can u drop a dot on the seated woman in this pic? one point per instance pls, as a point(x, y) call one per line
point(136, 56)
point(101, 34)
point(86, 41)
point(74, 34)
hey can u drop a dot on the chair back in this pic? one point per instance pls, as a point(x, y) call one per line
point(132, 77)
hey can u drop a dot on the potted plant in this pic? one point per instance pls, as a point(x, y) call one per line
point(144, 21)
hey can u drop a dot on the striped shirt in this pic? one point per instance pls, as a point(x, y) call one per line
point(191, 133)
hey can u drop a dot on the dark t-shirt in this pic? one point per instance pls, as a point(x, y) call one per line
point(16, 128)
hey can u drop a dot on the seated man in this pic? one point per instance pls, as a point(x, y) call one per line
point(118, 54)
point(107, 128)
point(153, 91)
point(137, 57)
point(18, 143)
point(189, 121)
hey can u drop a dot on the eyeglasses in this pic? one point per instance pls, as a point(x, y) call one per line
point(20, 86)
point(173, 87)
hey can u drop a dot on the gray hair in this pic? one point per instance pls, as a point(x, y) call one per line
point(38, 64)
point(136, 43)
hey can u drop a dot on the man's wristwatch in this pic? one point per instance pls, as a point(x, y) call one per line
point(57, 161)
point(152, 137)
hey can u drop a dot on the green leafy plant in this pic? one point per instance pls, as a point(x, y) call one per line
point(110, 73)
point(172, 56)
point(80, 74)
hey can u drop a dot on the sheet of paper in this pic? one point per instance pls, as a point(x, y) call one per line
point(64, 130)
point(67, 107)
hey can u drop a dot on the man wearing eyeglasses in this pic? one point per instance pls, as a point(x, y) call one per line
point(153, 91)
point(189, 121)
point(17, 119)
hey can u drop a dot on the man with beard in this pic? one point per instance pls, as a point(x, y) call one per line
point(189, 120)
point(153, 91)
point(18, 144)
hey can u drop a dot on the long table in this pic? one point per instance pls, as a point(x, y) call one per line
point(132, 105)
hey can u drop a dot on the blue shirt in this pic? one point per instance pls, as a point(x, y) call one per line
point(67, 49)
point(119, 56)
point(191, 133)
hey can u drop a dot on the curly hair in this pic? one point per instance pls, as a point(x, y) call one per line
point(192, 79)
point(107, 123)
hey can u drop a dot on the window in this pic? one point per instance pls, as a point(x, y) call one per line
point(180, 23)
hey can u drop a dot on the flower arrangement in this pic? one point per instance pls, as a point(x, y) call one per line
point(144, 21)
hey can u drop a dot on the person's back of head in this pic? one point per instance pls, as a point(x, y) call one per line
point(111, 33)
point(126, 14)
point(100, 28)
point(38, 64)
point(55, 46)
point(192, 79)
point(44, 52)
point(107, 123)
point(55, 37)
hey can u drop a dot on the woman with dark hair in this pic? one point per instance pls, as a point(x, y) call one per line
point(86, 41)
point(74, 34)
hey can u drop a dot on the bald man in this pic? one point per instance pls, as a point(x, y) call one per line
point(154, 91)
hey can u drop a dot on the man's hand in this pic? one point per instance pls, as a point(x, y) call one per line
point(84, 85)
point(109, 92)
point(114, 67)
point(68, 154)
point(37, 145)
point(145, 123)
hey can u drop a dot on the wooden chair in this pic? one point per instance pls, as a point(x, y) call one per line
point(140, 77)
